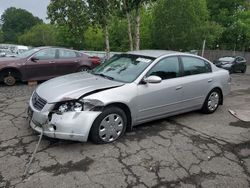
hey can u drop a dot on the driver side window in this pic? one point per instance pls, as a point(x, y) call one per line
point(166, 69)
point(46, 54)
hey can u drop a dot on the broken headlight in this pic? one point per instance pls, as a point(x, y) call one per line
point(78, 106)
point(72, 106)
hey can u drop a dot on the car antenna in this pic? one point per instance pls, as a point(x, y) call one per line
point(33, 154)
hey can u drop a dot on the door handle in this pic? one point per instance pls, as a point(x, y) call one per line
point(77, 61)
point(178, 88)
point(51, 61)
point(210, 80)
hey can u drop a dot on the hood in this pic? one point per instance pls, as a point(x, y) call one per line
point(73, 86)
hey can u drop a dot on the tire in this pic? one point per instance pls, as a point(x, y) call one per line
point(83, 69)
point(244, 70)
point(104, 130)
point(231, 71)
point(9, 80)
point(212, 101)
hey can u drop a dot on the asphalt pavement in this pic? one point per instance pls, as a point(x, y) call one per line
point(189, 150)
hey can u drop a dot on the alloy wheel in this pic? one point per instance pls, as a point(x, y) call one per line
point(213, 101)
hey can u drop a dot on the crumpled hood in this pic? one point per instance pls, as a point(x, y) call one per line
point(73, 86)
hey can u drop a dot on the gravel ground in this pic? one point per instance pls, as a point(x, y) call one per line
point(189, 150)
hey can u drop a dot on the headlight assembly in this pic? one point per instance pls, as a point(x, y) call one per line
point(80, 105)
point(72, 106)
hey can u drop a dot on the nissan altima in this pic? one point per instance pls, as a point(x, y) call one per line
point(127, 90)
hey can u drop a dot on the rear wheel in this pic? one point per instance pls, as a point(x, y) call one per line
point(212, 101)
point(109, 126)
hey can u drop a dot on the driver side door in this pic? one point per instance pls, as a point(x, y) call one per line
point(41, 66)
point(157, 100)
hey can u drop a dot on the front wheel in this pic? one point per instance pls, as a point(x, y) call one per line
point(244, 70)
point(9, 80)
point(212, 102)
point(108, 126)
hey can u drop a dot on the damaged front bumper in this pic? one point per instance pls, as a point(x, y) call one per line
point(69, 125)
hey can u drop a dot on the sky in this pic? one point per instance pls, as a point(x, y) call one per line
point(36, 7)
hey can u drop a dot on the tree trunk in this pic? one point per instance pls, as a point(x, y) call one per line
point(137, 29)
point(107, 42)
point(130, 32)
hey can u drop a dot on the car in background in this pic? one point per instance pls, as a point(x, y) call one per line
point(126, 90)
point(95, 59)
point(232, 64)
point(12, 50)
point(43, 63)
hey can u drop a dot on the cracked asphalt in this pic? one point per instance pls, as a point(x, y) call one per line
point(189, 150)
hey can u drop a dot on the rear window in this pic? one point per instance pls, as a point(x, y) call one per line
point(193, 66)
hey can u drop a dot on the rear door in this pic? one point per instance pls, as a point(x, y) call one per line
point(155, 100)
point(197, 79)
point(41, 66)
point(67, 61)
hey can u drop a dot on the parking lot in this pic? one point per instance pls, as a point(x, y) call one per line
point(190, 150)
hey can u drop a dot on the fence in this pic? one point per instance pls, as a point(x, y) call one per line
point(208, 54)
point(215, 54)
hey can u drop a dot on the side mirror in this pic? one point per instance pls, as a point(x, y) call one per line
point(153, 79)
point(34, 59)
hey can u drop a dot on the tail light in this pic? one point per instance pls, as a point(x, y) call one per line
point(95, 60)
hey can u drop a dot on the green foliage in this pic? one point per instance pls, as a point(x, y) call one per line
point(146, 28)
point(118, 34)
point(179, 24)
point(94, 39)
point(73, 16)
point(15, 22)
point(67, 39)
point(164, 24)
point(39, 35)
point(1, 36)
point(227, 13)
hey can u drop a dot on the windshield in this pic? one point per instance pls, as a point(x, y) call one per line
point(27, 53)
point(124, 67)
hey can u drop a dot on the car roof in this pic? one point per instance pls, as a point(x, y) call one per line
point(153, 53)
point(46, 47)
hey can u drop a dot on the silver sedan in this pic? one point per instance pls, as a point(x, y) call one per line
point(129, 89)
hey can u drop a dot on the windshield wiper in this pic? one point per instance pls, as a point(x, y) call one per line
point(104, 76)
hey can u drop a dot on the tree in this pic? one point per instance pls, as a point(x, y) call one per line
point(227, 14)
point(15, 22)
point(39, 35)
point(100, 12)
point(94, 38)
point(1, 35)
point(73, 14)
point(180, 24)
point(132, 8)
point(119, 41)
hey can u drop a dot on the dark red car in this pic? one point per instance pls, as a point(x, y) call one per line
point(44, 63)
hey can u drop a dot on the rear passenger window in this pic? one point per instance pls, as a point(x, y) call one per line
point(192, 66)
point(166, 68)
point(65, 54)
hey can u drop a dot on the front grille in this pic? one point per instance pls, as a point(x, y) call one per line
point(38, 102)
